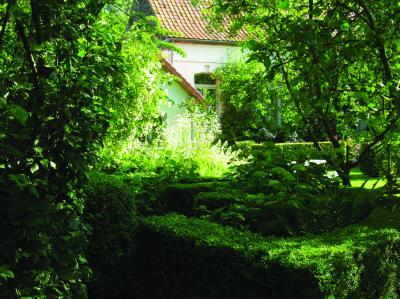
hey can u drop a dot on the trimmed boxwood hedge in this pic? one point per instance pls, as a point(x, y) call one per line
point(215, 200)
point(290, 148)
point(179, 257)
point(180, 197)
point(110, 213)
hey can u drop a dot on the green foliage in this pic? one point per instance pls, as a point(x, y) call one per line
point(178, 197)
point(67, 75)
point(254, 108)
point(338, 62)
point(135, 102)
point(195, 258)
point(111, 215)
point(280, 176)
point(279, 191)
point(150, 170)
point(291, 149)
point(165, 164)
point(200, 122)
point(214, 200)
point(52, 120)
point(316, 214)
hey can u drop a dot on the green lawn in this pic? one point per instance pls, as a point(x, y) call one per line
point(358, 179)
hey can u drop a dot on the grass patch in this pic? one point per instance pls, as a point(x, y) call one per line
point(359, 179)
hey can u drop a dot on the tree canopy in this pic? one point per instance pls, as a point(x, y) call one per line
point(71, 75)
point(338, 60)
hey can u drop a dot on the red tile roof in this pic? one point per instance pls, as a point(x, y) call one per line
point(183, 17)
point(182, 81)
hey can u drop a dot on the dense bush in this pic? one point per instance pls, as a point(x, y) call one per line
point(377, 165)
point(191, 258)
point(214, 200)
point(313, 214)
point(289, 148)
point(70, 75)
point(282, 175)
point(145, 160)
point(175, 197)
point(110, 213)
point(252, 108)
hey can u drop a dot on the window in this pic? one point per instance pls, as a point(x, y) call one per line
point(205, 84)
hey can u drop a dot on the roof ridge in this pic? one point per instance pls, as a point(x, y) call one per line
point(189, 20)
point(189, 88)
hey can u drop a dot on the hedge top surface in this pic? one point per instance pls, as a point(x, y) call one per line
point(213, 234)
point(322, 255)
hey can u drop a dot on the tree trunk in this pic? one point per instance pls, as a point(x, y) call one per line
point(344, 174)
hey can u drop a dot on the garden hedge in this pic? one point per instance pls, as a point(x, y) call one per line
point(290, 148)
point(179, 257)
point(111, 215)
point(180, 197)
point(317, 214)
point(214, 200)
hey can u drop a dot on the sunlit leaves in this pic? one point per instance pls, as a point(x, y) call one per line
point(345, 26)
point(6, 272)
point(283, 4)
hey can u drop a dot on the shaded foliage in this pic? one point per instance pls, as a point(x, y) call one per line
point(255, 108)
point(65, 79)
point(111, 215)
point(193, 258)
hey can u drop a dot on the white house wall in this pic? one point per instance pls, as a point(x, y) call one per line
point(201, 58)
point(178, 129)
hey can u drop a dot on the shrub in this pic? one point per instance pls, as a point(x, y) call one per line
point(282, 175)
point(312, 214)
point(180, 197)
point(165, 164)
point(234, 207)
point(377, 165)
point(110, 212)
point(215, 200)
point(192, 258)
point(298, 149)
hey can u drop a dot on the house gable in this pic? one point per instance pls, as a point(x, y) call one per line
point(191, 91)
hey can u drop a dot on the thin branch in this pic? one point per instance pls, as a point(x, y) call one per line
point(296, 101)
point(28, 53)
point(36, 21)
point(353, 10)
point(364, 155)
point(5, 22)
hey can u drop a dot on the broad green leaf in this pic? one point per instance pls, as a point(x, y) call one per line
point(345, 26)
point(272, 183)
point(252, 44)
point(3, 100)
point(34, 168)
point(284, 4)
point(19, 113)
point(6, 272)
point(81, 53)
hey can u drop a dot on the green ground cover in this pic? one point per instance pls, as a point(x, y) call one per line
point(358, 179)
